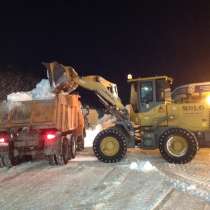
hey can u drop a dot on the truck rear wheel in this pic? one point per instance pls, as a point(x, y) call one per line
point(1, 162)
point(7, 161)
point(63, 157)
point(110, 145)
point(178, 145)
point(51, 159)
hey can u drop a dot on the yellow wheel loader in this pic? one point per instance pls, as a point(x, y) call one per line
point(152, 120)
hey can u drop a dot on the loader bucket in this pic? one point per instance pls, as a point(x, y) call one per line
point(61, 78)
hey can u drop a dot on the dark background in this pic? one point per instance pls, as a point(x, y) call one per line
point(111, 39)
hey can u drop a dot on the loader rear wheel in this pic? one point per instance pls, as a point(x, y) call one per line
point(178, 145)
point(110, 145)
point(63, 157)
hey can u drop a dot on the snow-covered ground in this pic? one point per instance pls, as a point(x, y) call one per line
point(141, 181)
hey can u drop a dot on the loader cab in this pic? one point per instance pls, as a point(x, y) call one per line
point(149, 92)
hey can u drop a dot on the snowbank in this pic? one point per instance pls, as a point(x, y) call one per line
point(42, 91)
point(143, 166)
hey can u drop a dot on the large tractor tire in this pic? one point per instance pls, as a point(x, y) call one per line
point(110, 145)
point(178, 145)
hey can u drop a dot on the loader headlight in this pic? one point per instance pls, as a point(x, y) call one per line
point(208, 100)
point(130, 76)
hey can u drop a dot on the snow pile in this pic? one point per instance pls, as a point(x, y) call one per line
point(105, 122)
point(42, 91)
point(19, 96)
point(143, 166)
point(133, 166)
point(91, 133)
point(191, 187)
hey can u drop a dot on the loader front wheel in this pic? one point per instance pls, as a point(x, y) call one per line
point(110, 145)
point(178, 145)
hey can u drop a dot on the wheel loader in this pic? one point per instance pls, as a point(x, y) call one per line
point(152, 120)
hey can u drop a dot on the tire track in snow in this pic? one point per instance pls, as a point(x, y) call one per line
point(16, 171)
point(106, 187)
point(26, 181)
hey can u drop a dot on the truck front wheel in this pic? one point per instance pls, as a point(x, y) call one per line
point(73, 146)
point(178, 145)
point(80, 142)
point(110, 145)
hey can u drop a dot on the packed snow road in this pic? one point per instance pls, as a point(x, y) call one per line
point(142, 181)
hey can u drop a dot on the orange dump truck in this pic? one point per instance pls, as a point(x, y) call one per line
point(54, 128)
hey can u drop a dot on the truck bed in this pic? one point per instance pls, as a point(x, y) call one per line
point(60, 113)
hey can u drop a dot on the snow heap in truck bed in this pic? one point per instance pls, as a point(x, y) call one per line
point(41, 92)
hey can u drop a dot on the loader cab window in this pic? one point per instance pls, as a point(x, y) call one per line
point(146, 92)
point(160, 90)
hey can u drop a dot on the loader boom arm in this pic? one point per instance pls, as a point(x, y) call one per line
point(65, 78)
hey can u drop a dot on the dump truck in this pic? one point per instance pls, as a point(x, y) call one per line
point(152, 120)
point(53, 128)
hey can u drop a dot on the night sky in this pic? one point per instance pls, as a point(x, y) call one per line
point(111, 39)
